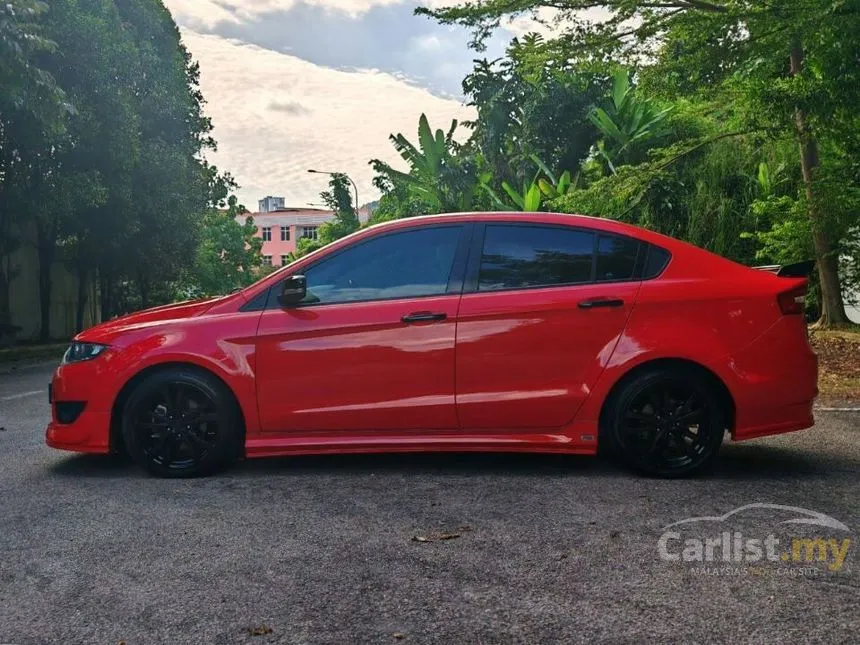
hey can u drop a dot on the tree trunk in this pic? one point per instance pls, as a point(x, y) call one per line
point(826, 255)
point(7, 247)
point(143, 287)
point(46, 244)
point(81, 305)
point(105, 294)
point(5, 287)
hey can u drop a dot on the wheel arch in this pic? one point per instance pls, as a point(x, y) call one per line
point(116, 442)
point(719, 386)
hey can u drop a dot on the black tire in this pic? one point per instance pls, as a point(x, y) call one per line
point(665, 422)
point(182, 422)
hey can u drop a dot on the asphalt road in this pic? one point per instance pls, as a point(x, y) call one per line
point(322, 550)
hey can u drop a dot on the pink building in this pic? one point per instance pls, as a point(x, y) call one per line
point(281, 229)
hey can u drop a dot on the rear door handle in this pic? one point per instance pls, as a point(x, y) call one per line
point(600, 302)
point(423, 316)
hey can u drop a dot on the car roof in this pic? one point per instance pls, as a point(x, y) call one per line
point(565, 219)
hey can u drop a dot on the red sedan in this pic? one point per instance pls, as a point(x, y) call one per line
point(472, 332)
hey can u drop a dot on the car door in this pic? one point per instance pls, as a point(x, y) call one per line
point(542, 311)
point(372, 345)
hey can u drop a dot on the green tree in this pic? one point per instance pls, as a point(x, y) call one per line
point(531, 105)
point(439, 179)
point(628, 124)
point(120, 191)
point(789, 67)
point(168, 186)
point(30, 103)
point(74, 175)
point(229, 254)
point(339, 199)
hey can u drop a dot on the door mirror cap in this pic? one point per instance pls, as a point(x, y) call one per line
point(293, 291)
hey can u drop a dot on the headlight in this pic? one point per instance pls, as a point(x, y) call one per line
point(78, 352)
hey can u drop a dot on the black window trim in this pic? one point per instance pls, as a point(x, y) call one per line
point(455, 278)
point(473, 269)
point(648, 257)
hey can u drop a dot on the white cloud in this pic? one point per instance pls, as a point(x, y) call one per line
point(201, 13)
point(210, 12)
point(344, 119)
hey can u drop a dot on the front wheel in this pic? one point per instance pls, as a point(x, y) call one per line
point(181, 422)
point(665, 422)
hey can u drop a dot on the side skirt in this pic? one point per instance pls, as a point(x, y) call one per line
point(363, 442)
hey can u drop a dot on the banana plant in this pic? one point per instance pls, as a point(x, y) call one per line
point(552, 187)
point(768, 179)
point(629, 120)
point(530, 199)
point(432, 176)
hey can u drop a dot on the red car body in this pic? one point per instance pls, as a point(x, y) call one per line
point(507, 370)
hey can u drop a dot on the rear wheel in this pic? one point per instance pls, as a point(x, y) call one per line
point(181, 423)
point(665, 422)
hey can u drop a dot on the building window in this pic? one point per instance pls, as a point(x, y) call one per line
point(308, 232)
point(267, 260)
point(285, 234)
point(267, 233)
point(285, 259)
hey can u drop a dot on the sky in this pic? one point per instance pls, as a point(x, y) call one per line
point(297, 84)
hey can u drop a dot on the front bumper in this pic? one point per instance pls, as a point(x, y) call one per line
point(87, 427)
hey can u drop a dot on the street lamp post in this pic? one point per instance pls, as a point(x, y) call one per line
point(322, 172)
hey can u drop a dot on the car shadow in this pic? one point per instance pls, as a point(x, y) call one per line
point(748, 461)
point(96, 466)
point(753, 461)
point(455, 464)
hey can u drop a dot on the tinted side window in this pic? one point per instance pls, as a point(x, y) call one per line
point(616, 257)
point(531, 256)
point(401, 265)
point(657, 261)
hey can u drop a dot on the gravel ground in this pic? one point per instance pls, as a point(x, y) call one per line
point(324, 550)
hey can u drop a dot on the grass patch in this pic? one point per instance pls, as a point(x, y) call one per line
point(32, 352)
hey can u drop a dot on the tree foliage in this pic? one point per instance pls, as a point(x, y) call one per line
point(439, 180)
point(228, 256)
point(783, 69)
point(102, 108)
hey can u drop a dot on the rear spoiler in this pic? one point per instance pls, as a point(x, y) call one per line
point(796, 270)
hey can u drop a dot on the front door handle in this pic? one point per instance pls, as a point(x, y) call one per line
point(600, 302)
point(423, 316)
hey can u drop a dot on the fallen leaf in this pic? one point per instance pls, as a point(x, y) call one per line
point(262, 630)
point(436, 537)
point(398, 635)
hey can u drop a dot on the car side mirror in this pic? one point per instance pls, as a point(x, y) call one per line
point(294, 290)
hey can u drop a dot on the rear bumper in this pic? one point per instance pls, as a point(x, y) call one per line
point(773, 381)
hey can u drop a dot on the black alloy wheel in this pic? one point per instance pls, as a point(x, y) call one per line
point(666, 422)
point(181, 423)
